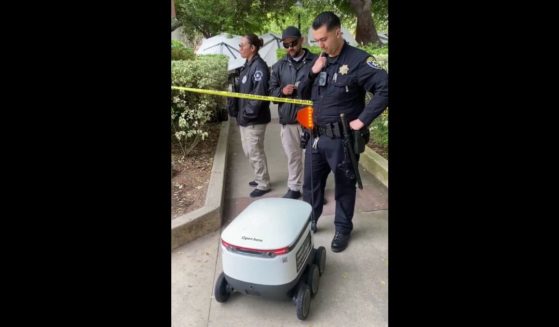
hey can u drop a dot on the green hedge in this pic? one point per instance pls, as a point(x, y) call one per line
point(178, 53)
point(379, 130)
point(190, 112)
point(177, 44)
point(375, 49)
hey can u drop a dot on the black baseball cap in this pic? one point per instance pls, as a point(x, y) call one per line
point(290, 32)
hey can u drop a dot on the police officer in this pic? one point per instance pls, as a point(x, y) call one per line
point(254, 115)
point(284, 80)
point(337, 83)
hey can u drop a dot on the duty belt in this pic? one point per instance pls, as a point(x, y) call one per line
point(331, 130)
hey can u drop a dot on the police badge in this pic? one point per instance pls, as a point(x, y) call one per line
point(244, 79)
point(257, 75)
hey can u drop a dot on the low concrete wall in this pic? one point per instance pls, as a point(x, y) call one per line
point(375, 164)
point(202, 221)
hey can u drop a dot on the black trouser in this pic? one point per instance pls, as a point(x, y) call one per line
point(325, 158)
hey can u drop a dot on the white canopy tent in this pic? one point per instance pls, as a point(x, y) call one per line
point(228, 45)
point(383, 37)
point(268, 51)
point(224, 44)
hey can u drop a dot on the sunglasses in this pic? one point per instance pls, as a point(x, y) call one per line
point(291, 44)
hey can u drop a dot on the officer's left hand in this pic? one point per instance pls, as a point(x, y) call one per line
point(356, 124)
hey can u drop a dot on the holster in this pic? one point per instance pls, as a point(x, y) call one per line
point(305, 135)
point(360, 139)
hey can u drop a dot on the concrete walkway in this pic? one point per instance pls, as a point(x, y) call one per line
point(353, 290)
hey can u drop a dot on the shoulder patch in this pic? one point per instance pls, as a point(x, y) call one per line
point(257, 75)
point(372, 62)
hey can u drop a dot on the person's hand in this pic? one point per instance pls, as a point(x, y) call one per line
point(319, 64)
point(356, 124)
point(288, 89)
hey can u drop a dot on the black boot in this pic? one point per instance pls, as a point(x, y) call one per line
point(340, 241)
point(258, 192)
point(292, 194)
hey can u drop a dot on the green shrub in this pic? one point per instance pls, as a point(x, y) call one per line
point(280, 53)
point(190, 112)
point(206, 56)
point(379, 126)
point(177, 44)
point(178, 53)
point(379, 129)
point(375, 49)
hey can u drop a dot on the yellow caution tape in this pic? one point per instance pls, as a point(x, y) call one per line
point(243, 95)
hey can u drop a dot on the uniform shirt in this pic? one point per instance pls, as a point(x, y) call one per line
point(349, 76)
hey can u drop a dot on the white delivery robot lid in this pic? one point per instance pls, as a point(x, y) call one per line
point(266, 224)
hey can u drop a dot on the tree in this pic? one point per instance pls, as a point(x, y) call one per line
point(211, 17)
point(175, 24)
point(205, 17)
point(365, 15)
point(365, 31)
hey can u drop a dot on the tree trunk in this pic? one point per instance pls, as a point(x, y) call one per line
point(365, 32)
point(175, 24)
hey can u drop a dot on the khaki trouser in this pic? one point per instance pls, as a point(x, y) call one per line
point(291, 141)
point(252, 139)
